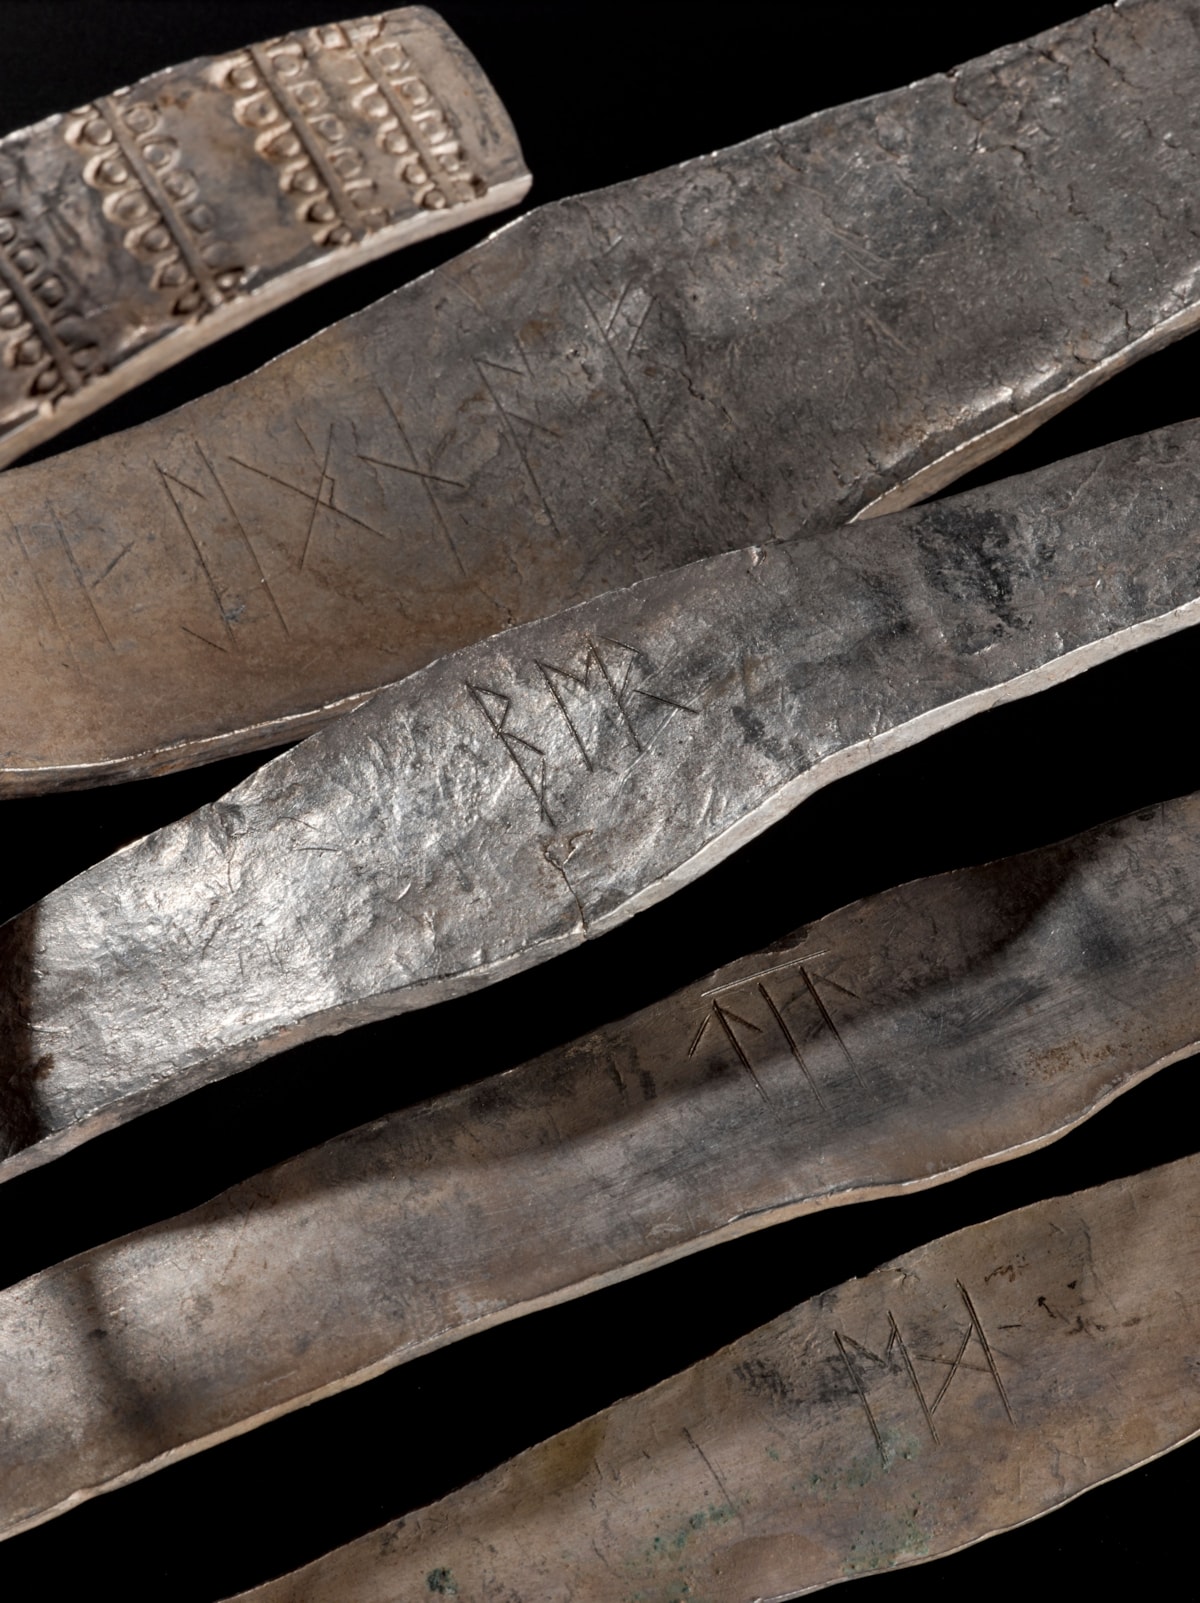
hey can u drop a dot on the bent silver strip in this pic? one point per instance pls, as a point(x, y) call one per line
point(152, 221)
point(827, 320)
point(945, 1025)
point(515, 799)
point(961, 1390)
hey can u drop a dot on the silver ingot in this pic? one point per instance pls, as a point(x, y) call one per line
point(893, 1045)
point(972, 1384)
point(522, 796)
point(826, 322)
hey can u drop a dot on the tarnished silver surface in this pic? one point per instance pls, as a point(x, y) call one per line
point(519, 797)
point(973, 1384)
point(892, 1045)
point(145, 224)
point(824, 322)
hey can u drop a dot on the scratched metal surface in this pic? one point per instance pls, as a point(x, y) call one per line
point(140, 226)
point(973, 1384)
point(520, 797)
point(1094, 748)
point(889, 1046)
point(823, 322)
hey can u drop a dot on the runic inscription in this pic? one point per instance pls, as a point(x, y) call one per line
point(232, 571)
point(599, 703)
point(725, 1017)
point(970, 1349)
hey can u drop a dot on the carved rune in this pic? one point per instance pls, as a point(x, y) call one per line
point(733, 1026)
point(600, 702)
point(867, 1369)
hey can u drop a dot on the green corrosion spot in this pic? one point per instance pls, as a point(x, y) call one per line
point(866, 1467)
point(678, 1540)
point(442, 1582)
point(900, 1537)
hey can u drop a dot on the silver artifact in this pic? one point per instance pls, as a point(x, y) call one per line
point(973, 1384)
point(892, 1045)
point(823, 323)
point(525, 795)
point(148, 222)
point(1094, 748)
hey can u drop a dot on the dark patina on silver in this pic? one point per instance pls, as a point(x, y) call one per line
point(895, 1044)
point(526, 794)
point(825, 322)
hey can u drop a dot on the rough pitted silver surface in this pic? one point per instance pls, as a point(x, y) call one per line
point(934, 1028)
point(521, 796)
point(139, 227)
point(825, 321)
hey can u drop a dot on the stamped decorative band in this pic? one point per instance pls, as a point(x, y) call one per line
point(41, 336)
point(155, 200)
point(297, 94)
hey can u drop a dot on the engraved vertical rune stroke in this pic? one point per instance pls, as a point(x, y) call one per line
point(619, 693)
point(708, 1464)
point(79, 579)
point(423, 149)
point(312, 149)
point(41, 589)
point(626, 381)
point(825, 1014)
point(43, 328)
point(197, 266)
point(246, 540)
point(427, 478)
point(896, 1339)
point(896, 1342)
point(509, 741)
point(507, 418)
point(792, 1044)
point(723, 1018)
point(856, 1382)
point(312, 519)
point(977, 1325)
point(168, 480)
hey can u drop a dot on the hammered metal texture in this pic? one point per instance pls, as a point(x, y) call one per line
point(826, 321)
point(518, 798)
point(890, 1046)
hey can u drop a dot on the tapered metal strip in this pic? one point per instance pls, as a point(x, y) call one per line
point(151, 221)
point(517, 798)
point(923, 1032)
point(827, 321)
point(969, 1386)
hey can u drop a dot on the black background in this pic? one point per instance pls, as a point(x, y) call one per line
point(598, 92)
